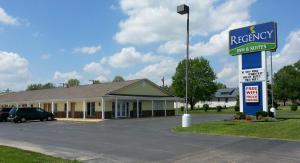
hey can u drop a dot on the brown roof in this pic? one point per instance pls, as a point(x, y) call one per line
point(83, 91)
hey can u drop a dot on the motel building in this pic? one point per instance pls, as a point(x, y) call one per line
point(127, 99)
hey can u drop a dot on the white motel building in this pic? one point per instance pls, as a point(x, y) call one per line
point(127, 99)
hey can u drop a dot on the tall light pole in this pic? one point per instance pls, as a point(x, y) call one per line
point(184, 9)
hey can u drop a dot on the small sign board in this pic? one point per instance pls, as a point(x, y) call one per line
point(261, 37)
point(251, 94)
point(252, 75)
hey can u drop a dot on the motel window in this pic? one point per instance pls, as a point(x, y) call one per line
point(158, 105)
point(55, 108)
point(65, 107)
point(90, 109)
point(226, 100)
point(218, 99)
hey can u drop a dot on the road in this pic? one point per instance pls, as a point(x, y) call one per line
point(143, 140)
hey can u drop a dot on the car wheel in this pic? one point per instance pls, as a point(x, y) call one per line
point(49, 118)
point(23, 119)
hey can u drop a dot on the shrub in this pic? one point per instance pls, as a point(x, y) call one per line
point(294, 108)
point(261, 114)
point(239, 116)
point(248, 118)
point(219, 108)
point(205, 107)
point(182, 108)
point(236, 108)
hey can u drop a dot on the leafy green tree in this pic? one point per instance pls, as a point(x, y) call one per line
point(201, 77)
point(48, 85)
point(34, 87)
point(118, 79)
point(221, 86)
point(73, 82)
point(96, 82)
point(286, 83)
point(38, 86)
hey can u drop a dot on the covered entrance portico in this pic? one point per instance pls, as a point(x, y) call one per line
point(141, 106)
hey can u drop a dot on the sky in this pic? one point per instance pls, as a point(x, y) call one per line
point(55, 40)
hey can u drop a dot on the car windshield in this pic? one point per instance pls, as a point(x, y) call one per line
point(39, 110)
point(13, 111)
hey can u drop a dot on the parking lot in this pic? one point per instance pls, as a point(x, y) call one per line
point(142, 140)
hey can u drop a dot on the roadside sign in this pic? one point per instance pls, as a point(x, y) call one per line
point(252, 75)
point(251, 94)
point(261, 37)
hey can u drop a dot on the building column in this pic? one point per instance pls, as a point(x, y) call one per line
point(102, 109)
point(52, 107)
point(165, 108)
point(83, 108)
point(17, 105)
point(39, 105)
point(137, 109)
point(116, 108)
point(177, 109)
point(152, 109)
point(68, 108)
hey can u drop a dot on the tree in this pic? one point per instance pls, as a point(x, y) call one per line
point(48, 85)
point(96, 82)
point(221, 86)
point(38, 86)
point(34, 87)
point(73, 82)
point(201, 85)
point(286, 83)
point(118, 79)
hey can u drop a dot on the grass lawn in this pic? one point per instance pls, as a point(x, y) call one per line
point(14, 155)
point(286, 129)
point(212, 111)
point(287, 109)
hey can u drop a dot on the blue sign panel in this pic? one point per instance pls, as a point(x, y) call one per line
point(253, 107)
point(261, 37)
point(251, 60)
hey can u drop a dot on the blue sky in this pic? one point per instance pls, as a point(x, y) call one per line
point(52, 41)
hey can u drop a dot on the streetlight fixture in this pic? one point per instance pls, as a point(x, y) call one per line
point(184, 9)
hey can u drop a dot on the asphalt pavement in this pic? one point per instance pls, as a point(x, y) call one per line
point(143, 140)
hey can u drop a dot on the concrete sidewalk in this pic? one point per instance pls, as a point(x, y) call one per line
point(79, 120)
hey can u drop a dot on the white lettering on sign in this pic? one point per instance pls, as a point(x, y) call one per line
point(252, 75)
point(252, 37)
point(251, 94)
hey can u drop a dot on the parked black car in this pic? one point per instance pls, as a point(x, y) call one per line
point(29, 113)
point(4, 113)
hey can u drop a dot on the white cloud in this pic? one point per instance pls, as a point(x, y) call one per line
point(290, 53)
point(98, 70)
point(7, 19)
point(172, 47)
point(229, 75)
point(45, 56)
point(217, 44)
point(128, 57)
point(152, 21)
point(155, 72)
point(14, 71)
point(64, 77)
point(87, 49)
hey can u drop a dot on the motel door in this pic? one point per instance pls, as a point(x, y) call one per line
point(122, 109)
